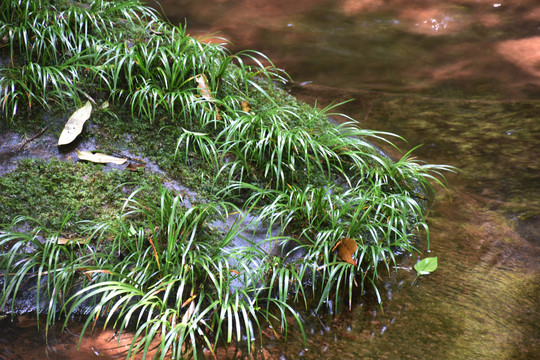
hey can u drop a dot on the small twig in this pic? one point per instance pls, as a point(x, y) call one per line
point(33, 138)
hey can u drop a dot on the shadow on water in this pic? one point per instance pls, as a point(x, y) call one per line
point(460, 77)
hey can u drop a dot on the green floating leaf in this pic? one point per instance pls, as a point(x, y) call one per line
point(426, 266)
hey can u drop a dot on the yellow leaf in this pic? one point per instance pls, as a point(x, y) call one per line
point(64, 241)
point(189, 300)
point(75, 124)
point(97, 271)
point(245, 106)
point(99, 158)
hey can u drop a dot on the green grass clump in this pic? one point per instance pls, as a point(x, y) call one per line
point(164, 268)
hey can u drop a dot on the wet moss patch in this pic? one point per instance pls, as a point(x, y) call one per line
point(49, 190)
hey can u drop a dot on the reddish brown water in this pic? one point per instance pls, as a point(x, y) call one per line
point(461, 77)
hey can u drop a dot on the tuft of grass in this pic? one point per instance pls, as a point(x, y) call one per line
point(154, 268)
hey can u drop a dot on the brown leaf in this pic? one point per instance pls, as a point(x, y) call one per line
point(346, 249)
point(202, 82)
point(134, 167)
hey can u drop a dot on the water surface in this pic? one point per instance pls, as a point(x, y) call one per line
point(461, 77)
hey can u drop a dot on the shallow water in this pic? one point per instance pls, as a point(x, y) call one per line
point(461, 78)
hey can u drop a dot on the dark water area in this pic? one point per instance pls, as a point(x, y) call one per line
point(462, 79)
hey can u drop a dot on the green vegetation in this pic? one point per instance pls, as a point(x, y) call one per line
point(47, 191)
point(425, 267)
point(164, 268)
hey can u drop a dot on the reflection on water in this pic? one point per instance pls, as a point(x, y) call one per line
point(471, 47)
point(460, 77)
point(21, 339)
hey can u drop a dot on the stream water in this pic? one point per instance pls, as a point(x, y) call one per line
point(461, 77)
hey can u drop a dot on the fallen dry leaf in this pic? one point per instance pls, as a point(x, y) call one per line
point(99, 158)
point(134, 167)
point(202, 82)
point(346, 249)
point(245, 106)
point(75, 124)
point(64, 241)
